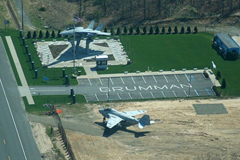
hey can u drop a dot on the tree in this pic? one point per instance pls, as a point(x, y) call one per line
point(195, 29)
point(125, 30)
point(40, 34)
point(182, 30)
point(112, 31)
point(151, 30)
point(59, 35)
point(188, 30)
point(137, 30)
point(47, 34)
point(218, 75)
point(119, 31)
point(105, 29)
point(175, 30)
point(53, 34)
point(224, 84)
point(144, 30)
point(169, 30)
point(157, 30)
point(34, 34)
point(163, 30)
point(29, 34)
point(131, 31)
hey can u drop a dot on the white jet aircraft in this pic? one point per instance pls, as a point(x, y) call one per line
point(116, 117)
point(87, 33)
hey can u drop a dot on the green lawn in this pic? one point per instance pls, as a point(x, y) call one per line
point(58, 99)
point(176, 52)
point(54, 74)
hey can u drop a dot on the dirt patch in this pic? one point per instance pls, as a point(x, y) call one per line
point(57, 49)
point(179, 133)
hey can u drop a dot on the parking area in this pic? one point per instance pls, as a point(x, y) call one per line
point(146, 87)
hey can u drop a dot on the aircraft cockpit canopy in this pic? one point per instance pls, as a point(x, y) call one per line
point(107, 109)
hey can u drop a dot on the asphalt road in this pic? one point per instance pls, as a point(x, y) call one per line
point(16, 139)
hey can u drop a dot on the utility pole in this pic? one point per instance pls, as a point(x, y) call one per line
point(108, 90)
point(22, 20)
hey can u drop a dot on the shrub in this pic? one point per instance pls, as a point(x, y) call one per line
point(144, 30)
point(47, 34)
point(157, 30)
point(182, 30)
point(40, 34)
point(224, 84)
point(34, 34)
point(218, 75)
point(53, 34)
point(205, 74)
point(105, 29)
point(188, 30)
point(29, 34)
point(195, 29)
point(216, 91)
point(163, 30)
point(131, 30)
point(175, 30)
point(112, 31)
point(125, 30)
point(169, 30)
point(151, 30)
point(118, 31)
point(59, 35)
point(137, 30)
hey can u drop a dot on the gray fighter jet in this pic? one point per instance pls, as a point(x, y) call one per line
point(116, 117)
point(87, 33)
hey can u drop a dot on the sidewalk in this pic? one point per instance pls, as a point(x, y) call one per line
point(24, 89)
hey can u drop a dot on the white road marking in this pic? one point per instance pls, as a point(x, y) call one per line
point(141, 94)
point(163, 94)
point(165, 78)
point(50, 90)
point(32, 88)
point(122, 80)
point(133, 80)
point(111, 81)
point(152, 94)
point(108, 96)
point(196, 92)
point(176, 77)
point(89, 82)
point(130, 95)
point(144, 80)
point(86, 98)
point(119, 96)
point(9, 108)
point(174, 94)
point(187, 78)
point(185, 92)
point(155, 79)
point(100, 81)
point(96, 97)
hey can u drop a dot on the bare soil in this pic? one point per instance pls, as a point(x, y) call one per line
point(179, 133)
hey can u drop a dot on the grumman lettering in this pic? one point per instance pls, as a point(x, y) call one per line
point(149, 87)
point(104, 89)
point(135, 88)
point(174, 86)
point(187, 86)
point(117, 89)
point(157, 87)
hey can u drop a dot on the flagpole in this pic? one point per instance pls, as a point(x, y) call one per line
point(74, 49)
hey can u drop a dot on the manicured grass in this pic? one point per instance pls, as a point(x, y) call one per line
point(41, 100)
point(54, 74)
point(176, 52)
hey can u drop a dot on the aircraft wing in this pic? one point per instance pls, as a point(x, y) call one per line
point(113, 121)
point(134, 113)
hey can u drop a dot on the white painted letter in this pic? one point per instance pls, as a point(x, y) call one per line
point(117, 88)
point(156, 87)
point(174, 86)
point(184, 85)
point(131, 89)
point(104, 89)
point(149, 87)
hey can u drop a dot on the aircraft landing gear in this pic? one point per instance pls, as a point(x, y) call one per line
point(104, 120)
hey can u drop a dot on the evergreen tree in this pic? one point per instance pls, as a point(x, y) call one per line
point(195, 29)
point(119, 31)
point(47, 34)
point(224, 84)
point(53, 34)
point(29, 34)
point(218, 75)
point(163, 30)
point(34, 35)
point(105, 29)
point(125, 30)
point(188, 30)
point(182, 30)
point(112, 31)
point(131, 31)
point(144, 30)
point(151, 30)
point(169, 30)
point(40, 34)
point(59, 35)
point(157, 30)
point(175, 30)
point(137, 30)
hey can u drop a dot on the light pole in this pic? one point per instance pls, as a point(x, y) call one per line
point(190, 85)
point(108, 90)
point(22, 20)
point(74, 49)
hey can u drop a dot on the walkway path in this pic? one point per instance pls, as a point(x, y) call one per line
point(24, 89)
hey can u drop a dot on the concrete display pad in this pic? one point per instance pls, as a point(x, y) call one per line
point(210, 108)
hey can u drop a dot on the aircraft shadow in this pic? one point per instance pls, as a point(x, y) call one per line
point(108, 132)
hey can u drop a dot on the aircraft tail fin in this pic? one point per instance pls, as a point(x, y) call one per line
point(145, 120)
point(99, 28)
point(91, 25)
